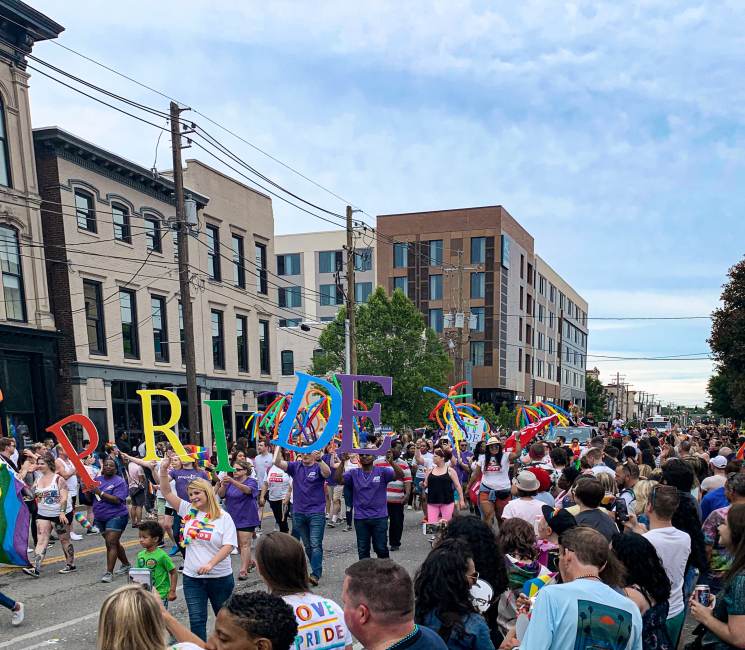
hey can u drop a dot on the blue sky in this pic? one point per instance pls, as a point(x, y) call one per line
point(612, 131)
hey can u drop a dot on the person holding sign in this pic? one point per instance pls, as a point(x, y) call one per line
point(209, 537)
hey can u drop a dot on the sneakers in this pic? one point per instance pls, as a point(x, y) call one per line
point(174, 551)
point(409, 508)
point(313, 579)
point(93, 531)
point(69, 568)
point(331, 524)
point(30, 571)
point(122, 570)
point(18, 614)
point(75, 537)
point(395, 548)
point(181, 569)
point(107, 577)
point(348, 528)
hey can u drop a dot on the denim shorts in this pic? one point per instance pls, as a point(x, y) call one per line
point(113, 523)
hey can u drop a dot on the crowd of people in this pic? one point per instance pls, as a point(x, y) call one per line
point(609, 544)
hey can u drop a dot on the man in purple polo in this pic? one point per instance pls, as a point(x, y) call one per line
point(309, 475)
point(368, 484)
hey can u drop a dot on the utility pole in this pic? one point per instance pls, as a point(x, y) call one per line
point(459, 319)
point(192, 396)
point(350, 324)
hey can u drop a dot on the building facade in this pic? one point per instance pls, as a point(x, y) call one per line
point(28, 338)
point(311, 271)
point(116, 296)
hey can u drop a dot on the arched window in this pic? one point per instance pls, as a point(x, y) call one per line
point(120, 215)
point(5, 178)
point(85, 210)
point(12, 272)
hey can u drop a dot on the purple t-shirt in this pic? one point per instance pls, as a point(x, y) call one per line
point(330, 480)
point(243, 507)
point(183, 477)
point(465, 457)
point(369, 493)
point(116, 485)
point(308, 495)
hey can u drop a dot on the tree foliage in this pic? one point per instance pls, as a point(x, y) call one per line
point(727, 341)
point(596, 398)
point(392, 341)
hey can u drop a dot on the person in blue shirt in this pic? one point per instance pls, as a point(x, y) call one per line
point(442, 597)
point(587, 610)
point(712, 501)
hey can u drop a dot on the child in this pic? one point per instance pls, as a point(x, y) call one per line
point(162, 569)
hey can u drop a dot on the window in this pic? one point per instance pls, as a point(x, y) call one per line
point(528, 334)
point(436, 321)
point(561, 301)
point(541, 285)
point(363, 259)
point(289, 297)
point(10, 265)
point(477, 285)
point(400, 255)
point(182, 340)
point(152, 235)
point(327, 319)
point(549, 371)
point(239, 263)
point(84, 211)
point(541, 313)
point(550, 345)
point(435, 252)
point(552, 293)
point(522, 266)
point(264, 347)
point(478, 250)
point(261, 281)
point(128, 310)
point(5, 162)
point(520, 360)
point(551, 317)
point(402, 284)
point(520, 328)
point(120, 217)
point(539, 369)
point(435, 287)
point(477, 319)
point(540, 340)
point(528, 364)
point(213, 251)
point(160, 328)
point(331, 295)
point(218, 340)
point(529, 305)
point(477, 353)
point(288, 362)
point(531, 279)
point(94, 317)
point(289, 322)
point(362, 291)
point(288, 264)
point(521, 298)
point(241, 342)
point(330, 261)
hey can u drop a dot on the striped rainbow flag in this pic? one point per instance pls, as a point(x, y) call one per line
point(14, 520)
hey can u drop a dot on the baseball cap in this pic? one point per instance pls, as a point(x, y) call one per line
point(720, 462)
point(559, 519)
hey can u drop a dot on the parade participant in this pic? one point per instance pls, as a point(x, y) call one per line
point(130, 619)
point(369, 485)
point(50, 490)
point(715, 496)
point(351, 461)
point(442, 599)
point(424, 461)
point(63, 467)
point(277, 489)
point(589, 493)
point(182, 473)
point(283, 567)
point(493, 470)
point(17, 609)
point(240, 493)
point(334, 491)
point(110, 516)
point(595, 458)
point(441, 482)
point(462, 462)
point(627, 476)
point(309, 505)
point(209, 536)
point(397, 493)
point(724, 619)
point(163, 572)
point(378, 599)
point(586, 610)
point(263, 461)
point(548, 531)
point(85, 497)
point(525, 505)
point(8, 453)
point(647, 584)
point(137, 484)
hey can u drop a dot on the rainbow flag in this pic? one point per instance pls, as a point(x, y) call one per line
point(14, 520)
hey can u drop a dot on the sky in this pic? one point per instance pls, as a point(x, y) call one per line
point(614, 132)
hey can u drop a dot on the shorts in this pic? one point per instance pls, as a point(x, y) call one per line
point(113, 523)
point(59, 527)
point(494, 495)
point(337, 492)
point(138, 496)
point(170, 512)
point(418, 485)
point(246, 529)
point(85, 498)
point(160, 506)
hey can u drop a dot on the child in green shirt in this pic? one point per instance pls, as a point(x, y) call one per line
point(164, 574)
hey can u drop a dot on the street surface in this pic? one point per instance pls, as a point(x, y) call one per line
point(62, 610)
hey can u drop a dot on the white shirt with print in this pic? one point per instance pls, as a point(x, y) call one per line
point(209, 540)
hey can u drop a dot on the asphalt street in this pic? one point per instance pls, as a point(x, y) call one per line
point(62, 610)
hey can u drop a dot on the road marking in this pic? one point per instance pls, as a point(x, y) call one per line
point(61, 558)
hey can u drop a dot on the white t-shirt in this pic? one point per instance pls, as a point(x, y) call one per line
point(208, 538)
point(279, 483)
point(262, 463)
point(673, 546)
point(429, 461)
point(320, 622)
point(496, 476)
point(600, 469)
point(184, 645)
point(527, 509)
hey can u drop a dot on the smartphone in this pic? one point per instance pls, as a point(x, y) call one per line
point(142, 577)
point(622, 512)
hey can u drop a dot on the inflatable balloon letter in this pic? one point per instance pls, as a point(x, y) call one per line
point(57, 429)
point(167, 429)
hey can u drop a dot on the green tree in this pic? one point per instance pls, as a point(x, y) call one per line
point(727, 387)
point(505, 418)
point(486, 409)
point(392, 341)
point(596, 398)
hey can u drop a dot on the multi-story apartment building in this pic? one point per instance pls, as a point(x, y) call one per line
point(112, 260)
point(311, 277)
point(28, 354)
point(571, 310)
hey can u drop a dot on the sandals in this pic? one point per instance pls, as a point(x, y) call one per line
point(243, 576)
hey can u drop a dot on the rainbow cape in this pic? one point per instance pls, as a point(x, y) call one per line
point(14, 520)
